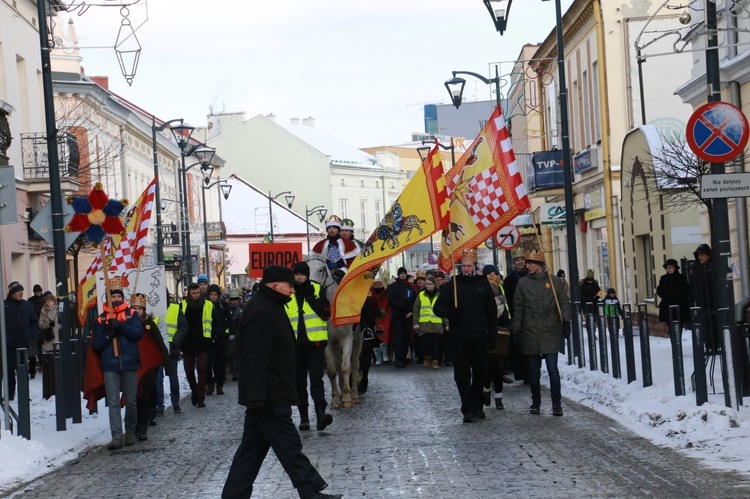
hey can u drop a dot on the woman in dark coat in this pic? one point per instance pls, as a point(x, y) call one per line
point(673, 289)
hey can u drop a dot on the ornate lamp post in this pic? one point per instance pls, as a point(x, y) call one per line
point(288, 197)
point(321, 211)
point(226, 188)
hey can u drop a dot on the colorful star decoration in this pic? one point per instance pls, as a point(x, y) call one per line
point(96, 215)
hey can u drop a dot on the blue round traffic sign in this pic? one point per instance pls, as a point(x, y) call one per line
point(717, 132)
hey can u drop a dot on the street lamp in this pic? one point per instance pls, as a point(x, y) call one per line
point(288, 197)
point(157, 193)
point(423, 152)
point(499, 14)
point(226, 188)
point(570, 224)
point(321, 211)
point(456, 85)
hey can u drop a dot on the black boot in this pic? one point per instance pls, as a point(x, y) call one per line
point(210, 390)
point(304, 419)
point(219, 389)
point(324, 419)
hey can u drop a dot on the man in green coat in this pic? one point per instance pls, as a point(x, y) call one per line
point(541, 315)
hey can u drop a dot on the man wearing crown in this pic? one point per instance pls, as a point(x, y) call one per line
point(115, 339)
point(472, 315)
point(339, 253)
point(541, 315)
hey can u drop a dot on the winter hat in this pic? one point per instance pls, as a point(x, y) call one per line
point(401, 270)
point(37, 287)
point(489, 269)
point(561, 273)
point(278, 273)
point(589, 274)
point(671, 262)
point(234, 294)
point(203, 279)
point(14, 287)
point(703, 248)
point(302, 268)
point(214, 288)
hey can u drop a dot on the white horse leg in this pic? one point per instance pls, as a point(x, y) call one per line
point(346, 371)
point(331, 371)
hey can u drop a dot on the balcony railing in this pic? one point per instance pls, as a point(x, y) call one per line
point(217, 231)
point(36, 160)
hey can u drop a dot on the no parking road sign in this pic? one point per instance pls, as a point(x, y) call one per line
point(508, 237)
point(717, 132)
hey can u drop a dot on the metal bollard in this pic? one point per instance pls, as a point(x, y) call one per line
point(627, 332)
point(577, 336)
point(614, 344)
point(59, 389)
point(699, 358)
point(591, 326)
point(745, 335)
point(675, 335)
point(603, 357)
point(22, 378)
point(732, 396)
point(645, 337)
point(75, 385)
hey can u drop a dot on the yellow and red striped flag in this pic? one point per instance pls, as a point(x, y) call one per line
point(486, 191)
point(420, 210)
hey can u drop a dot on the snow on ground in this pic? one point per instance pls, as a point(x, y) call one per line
point(717, 436)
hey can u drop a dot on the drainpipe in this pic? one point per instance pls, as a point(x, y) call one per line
point(740, 204)
point(125, 186)
point(607, 164)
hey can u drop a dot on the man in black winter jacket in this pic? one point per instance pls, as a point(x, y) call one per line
point(471, 326)
point(217, 357)
point(21, 327)
point(269, 387)
point(401, 296)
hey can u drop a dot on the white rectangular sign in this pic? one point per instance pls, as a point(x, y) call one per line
point(552, 214)
point(725, 185)
point(150, 281)
point(687, 235)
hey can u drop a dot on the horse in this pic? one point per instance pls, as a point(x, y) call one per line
point(344, 343)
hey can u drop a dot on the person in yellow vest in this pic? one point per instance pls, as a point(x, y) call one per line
point(428, 325)
point(309, 312)
point(195, 342)
point(174, 321)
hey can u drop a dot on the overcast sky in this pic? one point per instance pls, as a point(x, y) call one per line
point(361, 69)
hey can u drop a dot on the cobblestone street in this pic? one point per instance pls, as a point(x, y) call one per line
point(406, 439)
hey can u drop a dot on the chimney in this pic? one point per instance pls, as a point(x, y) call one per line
point(102, 81)
point(294, 121)
point(309, 121)
point(271, 117)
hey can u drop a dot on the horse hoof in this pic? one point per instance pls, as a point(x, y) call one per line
point(347, 405)
point(355, 401)
point(335, 405)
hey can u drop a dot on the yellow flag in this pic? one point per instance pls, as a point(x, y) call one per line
point(420, 210)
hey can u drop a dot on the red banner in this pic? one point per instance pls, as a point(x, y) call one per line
point(263, 255)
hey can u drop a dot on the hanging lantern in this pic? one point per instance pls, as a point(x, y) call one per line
point(127, 47)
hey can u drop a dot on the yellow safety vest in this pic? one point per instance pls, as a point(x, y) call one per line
point(426, 314)
point(208, 316)
point(173, 312)
point(316, 327)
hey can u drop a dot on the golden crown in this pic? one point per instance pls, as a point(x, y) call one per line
point(333, 221)
point(535, 256)
point(469, 254)
point(115, 284)
point(138, 300)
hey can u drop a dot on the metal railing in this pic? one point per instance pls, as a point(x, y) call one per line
point(36, 161)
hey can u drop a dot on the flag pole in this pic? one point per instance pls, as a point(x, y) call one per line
point(549, 276)
point(455, 279)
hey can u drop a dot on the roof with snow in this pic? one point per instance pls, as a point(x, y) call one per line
point(245, 213)
point(341, 153)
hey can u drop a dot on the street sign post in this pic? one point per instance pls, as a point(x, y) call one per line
point(42, 224)
point(725, 185)
point(508, 237)
point(717, 132)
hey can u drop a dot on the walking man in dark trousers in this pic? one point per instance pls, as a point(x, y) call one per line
point(269, 386)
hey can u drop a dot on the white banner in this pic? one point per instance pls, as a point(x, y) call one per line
point(151, 282)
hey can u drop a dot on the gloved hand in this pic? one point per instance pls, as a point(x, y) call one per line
point(566, 329)
point(256, 407)
point(338, 274)
point(111, 333)
point(381, 313)
point(114, 324)
point(518, 338)
point(51, 323)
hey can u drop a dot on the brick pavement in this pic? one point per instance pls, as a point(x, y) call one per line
point(406, 439)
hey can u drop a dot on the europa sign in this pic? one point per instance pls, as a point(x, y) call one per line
point(264, 255)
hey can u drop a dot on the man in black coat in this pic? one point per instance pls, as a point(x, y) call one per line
point(401, 296)
point(471, 327)
point(703, 295)
point(21, 327)
point(269, 387)
point(673, 289)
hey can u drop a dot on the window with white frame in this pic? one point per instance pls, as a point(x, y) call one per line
point(378, 212)
point(586, 109)
point(343, 208)
point(595, 93)
point(363, 213)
